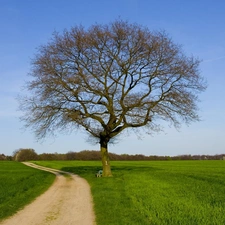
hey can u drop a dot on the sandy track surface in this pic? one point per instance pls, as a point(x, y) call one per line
point(67, 202)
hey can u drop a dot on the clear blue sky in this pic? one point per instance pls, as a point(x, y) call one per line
point(199, 25)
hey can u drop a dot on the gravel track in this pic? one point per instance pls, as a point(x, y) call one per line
point(67, 202)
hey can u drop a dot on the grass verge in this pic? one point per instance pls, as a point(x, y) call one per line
point(19, 185)
point(157, 193)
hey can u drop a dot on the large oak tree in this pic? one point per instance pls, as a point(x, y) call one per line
point(109, 78)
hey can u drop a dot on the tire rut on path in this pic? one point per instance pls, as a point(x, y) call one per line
point(67, 202)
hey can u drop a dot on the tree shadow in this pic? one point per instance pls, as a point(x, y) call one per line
point(84, 171)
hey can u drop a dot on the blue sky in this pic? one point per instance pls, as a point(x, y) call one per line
point(198, 25)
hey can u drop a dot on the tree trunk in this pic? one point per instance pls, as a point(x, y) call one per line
point(105, 159)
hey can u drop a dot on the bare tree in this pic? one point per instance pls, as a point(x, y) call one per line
point(108, 78)
point(25, 154)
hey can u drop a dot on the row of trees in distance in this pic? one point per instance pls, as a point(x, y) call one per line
point(30, 154)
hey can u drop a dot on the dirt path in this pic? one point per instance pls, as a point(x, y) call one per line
point(67, 202)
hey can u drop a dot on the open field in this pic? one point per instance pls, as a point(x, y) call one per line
point(19, 185)
point(155, 192)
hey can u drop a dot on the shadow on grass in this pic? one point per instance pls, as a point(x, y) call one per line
point(82, 170)
point(116, 170)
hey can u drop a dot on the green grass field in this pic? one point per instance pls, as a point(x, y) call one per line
point(155, 192)
point(19, 185)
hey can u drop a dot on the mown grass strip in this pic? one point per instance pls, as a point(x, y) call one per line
point(158, 193)
point(19, 185)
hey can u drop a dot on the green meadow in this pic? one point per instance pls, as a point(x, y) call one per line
point(141, 192)
point(155, 192)
point(19, 185)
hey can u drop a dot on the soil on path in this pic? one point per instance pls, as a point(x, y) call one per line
point(67, 202)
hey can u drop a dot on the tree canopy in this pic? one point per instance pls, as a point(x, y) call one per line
point(25, 154)
point(109, 78)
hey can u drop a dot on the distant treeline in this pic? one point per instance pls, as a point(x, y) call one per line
point(30, 154)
